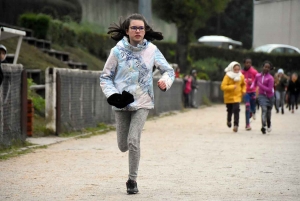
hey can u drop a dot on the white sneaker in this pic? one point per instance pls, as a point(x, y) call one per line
point(253, 116)
point(269, 129)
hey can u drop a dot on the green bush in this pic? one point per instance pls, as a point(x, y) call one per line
point(168, 49)
point(61, 34)
point(39, 103)
point(211, 68)
point(39, 23)
point(97, 44)
point(202, 76)
point(289, 63)
point(10, 10)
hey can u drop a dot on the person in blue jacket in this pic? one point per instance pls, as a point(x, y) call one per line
point(126, 81)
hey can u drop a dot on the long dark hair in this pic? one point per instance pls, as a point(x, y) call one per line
point(118, 31)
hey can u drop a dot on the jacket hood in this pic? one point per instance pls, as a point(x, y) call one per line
point(230, 66)
point(138, 48)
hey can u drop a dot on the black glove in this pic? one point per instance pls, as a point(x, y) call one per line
point(127, 98)
point(120, 101)
point(115, 100)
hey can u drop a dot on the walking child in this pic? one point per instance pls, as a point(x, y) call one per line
point(187, 90)
point(127, 83)
point(265, 82)
point(280, 86)
point(294, 91)
point(234, 88)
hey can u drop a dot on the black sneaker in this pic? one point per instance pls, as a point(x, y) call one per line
point(263, 130)
point(131, 187)
point(282, 110)
point(229, 124)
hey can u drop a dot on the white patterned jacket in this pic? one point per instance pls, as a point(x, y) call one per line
point(130, 68)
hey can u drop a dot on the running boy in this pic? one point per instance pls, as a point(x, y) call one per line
point(250, 97)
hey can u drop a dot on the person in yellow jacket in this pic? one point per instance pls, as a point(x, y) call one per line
point(234, 88)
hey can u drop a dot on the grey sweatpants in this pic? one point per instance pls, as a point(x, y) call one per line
point(280, 96)
point(266, 105)
point(129, 129)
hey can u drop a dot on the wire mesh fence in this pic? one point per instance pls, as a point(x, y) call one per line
point(11, 105)
point(74, 99)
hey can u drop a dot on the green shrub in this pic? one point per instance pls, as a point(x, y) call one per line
point(97, 44)
point(39, 23)
point(61, 34)
point(288, 62)
point(202, 76)
point(38, 102)
point(211, 68)
point(168, 49)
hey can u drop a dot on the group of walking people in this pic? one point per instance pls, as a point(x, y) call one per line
point(253, 87)
point(287, 91)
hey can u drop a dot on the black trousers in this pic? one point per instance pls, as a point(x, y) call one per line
point(294, 100)
point(233, 108)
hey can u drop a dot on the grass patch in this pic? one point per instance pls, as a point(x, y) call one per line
point(80, 55)
point(89, 132)
point(31, 57)
point(18, 148)
point(164, 114)
point(206, 101)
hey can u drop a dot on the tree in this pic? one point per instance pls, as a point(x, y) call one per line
point(188, 15)
point(235, 22)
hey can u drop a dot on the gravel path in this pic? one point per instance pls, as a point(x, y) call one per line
point(187, 156)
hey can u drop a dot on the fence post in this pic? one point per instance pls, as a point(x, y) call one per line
point(30, 114)
point(24, 104)
point(58, 104)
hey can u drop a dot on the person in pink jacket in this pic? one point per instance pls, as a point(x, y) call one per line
point(250, 97)
point(265, 82)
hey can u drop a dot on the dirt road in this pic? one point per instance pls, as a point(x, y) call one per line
point(186, 156)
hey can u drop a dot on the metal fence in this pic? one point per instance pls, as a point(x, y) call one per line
point(13, 100)
point(74, 99)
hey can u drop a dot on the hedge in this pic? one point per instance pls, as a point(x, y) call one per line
point(100, 45)
point(10, 10)
point(38, 23)
point(290, 63)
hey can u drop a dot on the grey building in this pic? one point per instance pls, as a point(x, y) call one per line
point(276, 21)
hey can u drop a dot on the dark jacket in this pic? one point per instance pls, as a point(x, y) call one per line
point(1, 72)
point(282, 84)
point(194, 82)
point(294, 87)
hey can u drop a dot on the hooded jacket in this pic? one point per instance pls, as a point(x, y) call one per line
point(129, 68)
point(249, 79)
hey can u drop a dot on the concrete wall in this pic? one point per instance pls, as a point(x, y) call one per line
point(276, 21)
point(105, 12)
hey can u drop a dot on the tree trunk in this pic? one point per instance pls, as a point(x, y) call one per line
point(182, 49)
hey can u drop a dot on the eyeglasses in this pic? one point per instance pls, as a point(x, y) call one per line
point(135, 28)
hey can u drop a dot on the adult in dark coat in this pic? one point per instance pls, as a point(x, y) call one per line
point(3, 52)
